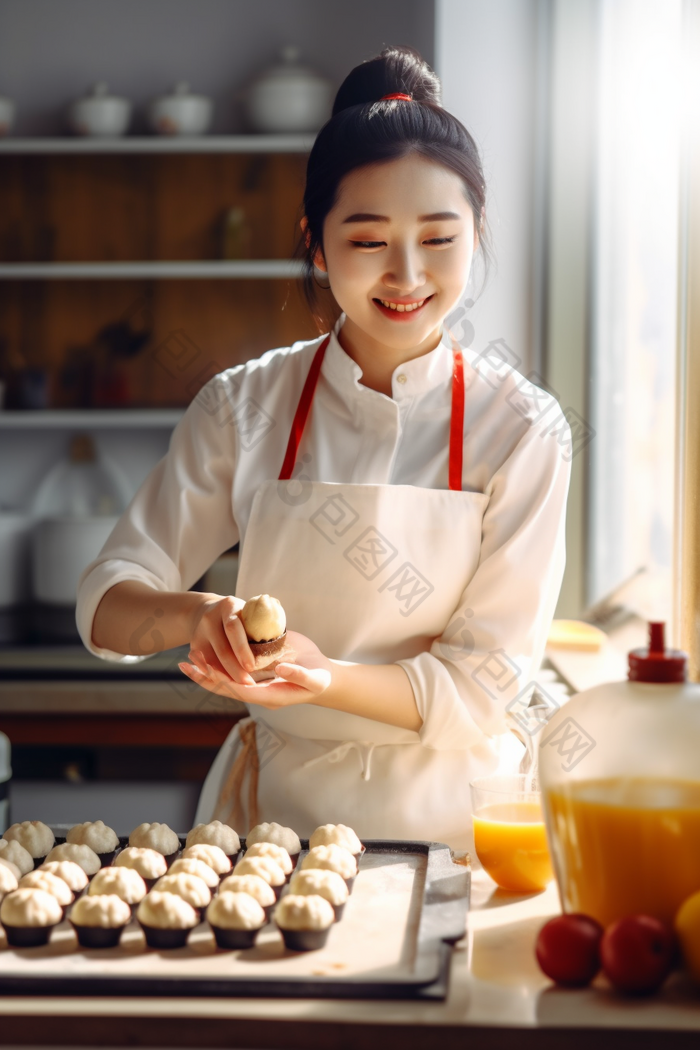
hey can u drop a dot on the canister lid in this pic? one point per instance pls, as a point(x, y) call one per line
point(657, 663)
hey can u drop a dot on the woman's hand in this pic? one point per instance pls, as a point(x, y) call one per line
point(298, 683)
point(217, 633)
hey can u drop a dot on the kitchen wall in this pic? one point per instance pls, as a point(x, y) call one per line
point(51, 51)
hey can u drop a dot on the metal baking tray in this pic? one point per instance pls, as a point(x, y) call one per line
point(408, 908)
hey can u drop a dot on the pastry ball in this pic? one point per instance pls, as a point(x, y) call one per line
point(265, 867)
point(94, 834)
point(236, 911)
point(10, 866)
point(214, 856)
point(149, 863)
point(191, 888)
point(276, 853)
point(333, 858)
point(297, 912)
point(8, 879)
point(281, 836)
point(167, 911)
point(190, 866)
point(263, 618)
point(125, 883)
point(37, 838)
point(44, 880)
point(155, 836)
point(28, 907)
point(215, 834)
point(326, 884)
point(10, 849)
point(340, 834)
point(82, 855)
point(71, 873)
point(253, 885)
point(106, 910)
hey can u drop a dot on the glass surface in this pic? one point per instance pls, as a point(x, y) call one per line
point(509, 832)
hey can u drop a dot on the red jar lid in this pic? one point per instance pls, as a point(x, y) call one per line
point(657, 664)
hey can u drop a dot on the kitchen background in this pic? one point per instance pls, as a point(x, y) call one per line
point(134, 266)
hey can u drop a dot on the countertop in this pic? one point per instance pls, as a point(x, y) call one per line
point(498, 999)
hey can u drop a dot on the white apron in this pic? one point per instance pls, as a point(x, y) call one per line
point(372, 574)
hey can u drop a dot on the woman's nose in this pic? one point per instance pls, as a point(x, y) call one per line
point(405, 272)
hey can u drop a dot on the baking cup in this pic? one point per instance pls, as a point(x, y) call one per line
point(233, 939)
point(162, 938)
point(170, 857)
point(304, 940)
point(28, 936)
point(294, 857)
point(38, 861)
point(97, 936)
point(107, 859)
point(279, 890)
point(275, 645)
point(350, 882)
point(338, 909)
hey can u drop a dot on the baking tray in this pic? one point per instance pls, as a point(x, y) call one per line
point(408, 908)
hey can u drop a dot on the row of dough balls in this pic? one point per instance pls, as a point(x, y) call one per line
point(191, 878)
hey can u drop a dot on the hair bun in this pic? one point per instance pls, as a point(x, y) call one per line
point(395, 69)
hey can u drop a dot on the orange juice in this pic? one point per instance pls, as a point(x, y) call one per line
point(625, 845)
point(511, 843)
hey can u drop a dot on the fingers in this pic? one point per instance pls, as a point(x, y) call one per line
point(316, 681)
point(238, 640)
point(228, 661)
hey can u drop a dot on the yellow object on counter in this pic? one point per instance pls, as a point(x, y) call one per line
point(687, 926)
point(575, 634)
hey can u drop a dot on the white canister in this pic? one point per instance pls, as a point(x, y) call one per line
point(181, 112)
point(289, 97)
point(15, 530)
point(100, 113)
point(62, 547)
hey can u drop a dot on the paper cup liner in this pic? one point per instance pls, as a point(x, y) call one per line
point(304, 940)
point(107, 859)
point(163, 938)
point(279, 890)
point(28, 936)
point(338, 909)
point(234, 939)
point(97, 936)
point(262, 651)
point(350, 882)
point(294, 857)
point(170, 857)
point(38, 861)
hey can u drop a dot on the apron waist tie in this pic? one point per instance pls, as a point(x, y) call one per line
point(364, 750)
point(229, 807)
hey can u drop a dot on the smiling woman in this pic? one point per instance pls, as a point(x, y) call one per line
point(403, 504)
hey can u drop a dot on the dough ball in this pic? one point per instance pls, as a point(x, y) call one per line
point(263, 618)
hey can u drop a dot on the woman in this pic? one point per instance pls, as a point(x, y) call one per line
point(404, 500)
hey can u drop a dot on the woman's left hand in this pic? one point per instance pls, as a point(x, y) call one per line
point(298, 683)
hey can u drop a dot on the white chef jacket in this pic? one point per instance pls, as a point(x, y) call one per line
point(196, 504)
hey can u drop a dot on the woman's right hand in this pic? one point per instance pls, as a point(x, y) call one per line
point(218, 638)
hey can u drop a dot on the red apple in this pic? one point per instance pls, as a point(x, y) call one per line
point(637, 953)
point(567, 949)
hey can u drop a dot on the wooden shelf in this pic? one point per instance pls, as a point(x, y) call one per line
point(240, 269)
point(92, 418)
point(162, 144)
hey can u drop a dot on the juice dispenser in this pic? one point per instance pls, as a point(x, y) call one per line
point(620, 778)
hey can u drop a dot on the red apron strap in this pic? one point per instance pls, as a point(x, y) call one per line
point(307, 395)
point(302, 412)
point(457, 423)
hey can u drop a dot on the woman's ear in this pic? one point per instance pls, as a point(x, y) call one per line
point(319, 261)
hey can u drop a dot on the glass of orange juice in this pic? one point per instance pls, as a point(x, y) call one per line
point(509, 832)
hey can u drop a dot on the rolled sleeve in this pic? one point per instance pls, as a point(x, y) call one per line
point(492, 647)
point(179, 521)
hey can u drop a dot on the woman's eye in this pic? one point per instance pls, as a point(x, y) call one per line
point(378, 244)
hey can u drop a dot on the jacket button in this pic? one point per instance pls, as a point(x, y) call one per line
point(401, 378)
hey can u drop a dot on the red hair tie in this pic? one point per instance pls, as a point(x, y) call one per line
point(398, 94)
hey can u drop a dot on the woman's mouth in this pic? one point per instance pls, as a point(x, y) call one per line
point(402, 311)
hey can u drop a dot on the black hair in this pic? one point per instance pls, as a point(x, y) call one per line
point(363, 130)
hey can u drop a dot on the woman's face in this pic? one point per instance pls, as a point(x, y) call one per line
point(402, 232)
